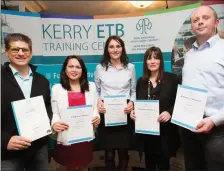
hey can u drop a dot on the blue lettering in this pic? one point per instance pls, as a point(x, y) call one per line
point(56, 31)
point(75, 27)
point(99, 31)
point(87, 31)
point(109, 28)
point(45, 31)
point(119, 28)
point(67, 31)
point(94, 46)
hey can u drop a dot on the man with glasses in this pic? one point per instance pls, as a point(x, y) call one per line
point(19, 81)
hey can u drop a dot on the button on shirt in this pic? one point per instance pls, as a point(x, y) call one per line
point(116, 81)
point(25, 83)
point(204, 68)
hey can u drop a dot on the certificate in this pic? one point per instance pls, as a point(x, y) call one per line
point(31, 118)
point(147, 113)
point(115, 114)
point(189, 106)
point(79, 119)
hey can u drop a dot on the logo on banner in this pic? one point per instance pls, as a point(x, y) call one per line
point(144, 25)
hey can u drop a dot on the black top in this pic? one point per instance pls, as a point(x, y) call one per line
point(11, 91)
point(165, 92)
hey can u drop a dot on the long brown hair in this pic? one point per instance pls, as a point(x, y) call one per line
point(106, 57)
point(147, 55)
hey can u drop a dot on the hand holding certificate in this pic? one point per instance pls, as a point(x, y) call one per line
point(147, 113)
point(115, 114)
point(79, 119)
point(31, 118)
point(189, 106)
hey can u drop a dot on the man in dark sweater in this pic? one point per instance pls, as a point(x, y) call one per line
point(19, 81)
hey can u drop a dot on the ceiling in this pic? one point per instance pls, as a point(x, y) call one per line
point(104, 7)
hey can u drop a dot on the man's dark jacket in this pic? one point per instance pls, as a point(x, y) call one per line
point(11, 91)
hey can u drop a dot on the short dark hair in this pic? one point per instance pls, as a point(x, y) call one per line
point(106, 57)
point(83, 80)
point(147, 55)
point(14, 37)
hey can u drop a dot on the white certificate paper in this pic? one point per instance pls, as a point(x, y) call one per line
point(147, 113)
point(31, 118)
point(189, 106)
point(79, 119)
point(115, 114)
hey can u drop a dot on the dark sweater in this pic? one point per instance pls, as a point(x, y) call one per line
point(11, 91)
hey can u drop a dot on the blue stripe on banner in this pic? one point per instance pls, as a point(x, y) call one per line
point(193, 88)
point(76, 107)
point(183, 124)
point(17, 124)
point(65, 16)
point(167, 66)
point(80, 140)
point(91, 58)
point(140, 57)
point(114, 96)
point(116, 124)
point(167, 56)
point(139, 67)
point(50, 66)
point(48, 59)
point(20, 13)
point(52, 72)
point(147, 132)
point(148, 101)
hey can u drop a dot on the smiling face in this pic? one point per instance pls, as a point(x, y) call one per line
point(73, 69)
point(153, 63)
point(114, 50)
point(19, 53)
point(204, 22)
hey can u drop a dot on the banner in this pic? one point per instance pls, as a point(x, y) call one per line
point(56, 36)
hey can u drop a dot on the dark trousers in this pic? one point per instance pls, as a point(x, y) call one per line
point(35, 162)
point(203, 151)
point(155, 158)
point(110, 159)
point(156, 162)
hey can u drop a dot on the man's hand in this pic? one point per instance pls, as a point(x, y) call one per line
point(18, 143)
point(100, 106)
point(204, 126)
point(129, 107)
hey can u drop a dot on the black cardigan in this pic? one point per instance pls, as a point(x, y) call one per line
point(168, 131)
point(10, 91)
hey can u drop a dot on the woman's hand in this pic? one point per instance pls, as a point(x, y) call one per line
point(132, 115)
point(164, 117)
point(129, 107)
point(60, 126)
point(96, 121)
point(100, 106)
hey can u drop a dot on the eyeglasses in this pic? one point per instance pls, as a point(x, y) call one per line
point(16, 50)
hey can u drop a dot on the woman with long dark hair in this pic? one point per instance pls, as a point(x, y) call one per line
point(115, 76)
point(155, 84)
point(74, 90)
